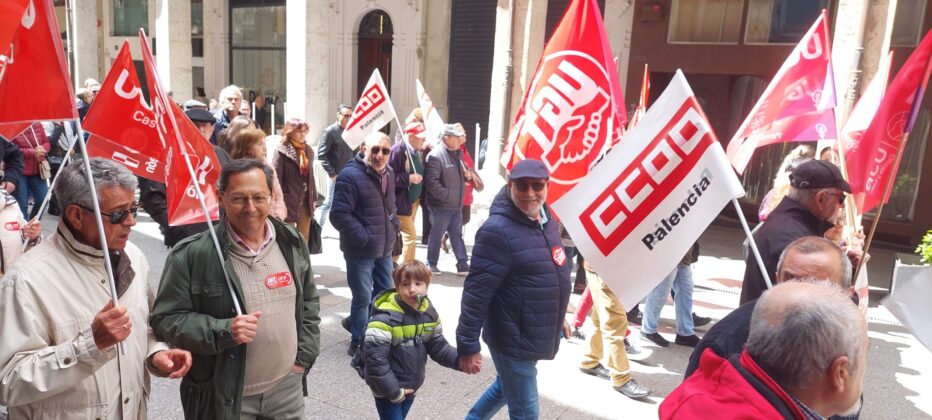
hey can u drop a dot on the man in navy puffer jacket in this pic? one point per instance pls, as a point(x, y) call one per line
point(516, 291)
point(364, 214)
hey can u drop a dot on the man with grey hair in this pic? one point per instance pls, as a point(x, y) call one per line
point(230, 99)
point(805, 358)
point(445, 178)
point(58, 328)
point(817, 192)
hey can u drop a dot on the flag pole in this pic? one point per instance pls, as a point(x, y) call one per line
point(114, 297)
point(752, 243)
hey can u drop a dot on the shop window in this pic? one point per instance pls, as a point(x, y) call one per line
point(907, 25)
point(781, 21)
point(705, 21)
point(129, 16)
point(257, 56)
point(905, 192)
point(197, 28)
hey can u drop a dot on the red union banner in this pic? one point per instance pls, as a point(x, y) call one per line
point(798, 104)
point(573, 110)
point(122, 125)
point(34, 83)
point(372, 112)
point(874, 158)
point(651, 196)
point(11, 11)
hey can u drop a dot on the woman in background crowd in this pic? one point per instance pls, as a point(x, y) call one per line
point(293, 162)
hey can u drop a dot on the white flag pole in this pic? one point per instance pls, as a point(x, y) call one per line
point(753, 245)
point(273, 118)
point(475, 157)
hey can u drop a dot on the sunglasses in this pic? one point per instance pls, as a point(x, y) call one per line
point(118, 216)
point(537, 186)
point(378, 149)
point(841, 197)
point(346, 115)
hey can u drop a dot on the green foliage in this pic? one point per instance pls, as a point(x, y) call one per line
point(924, 250)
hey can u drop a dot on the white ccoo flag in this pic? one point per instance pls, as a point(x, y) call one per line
point(432, 119)
point(641, 209)
point(373, 111)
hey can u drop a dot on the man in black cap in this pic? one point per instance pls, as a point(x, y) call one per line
point(817, 192)
point(152, 194)
point(516, 291)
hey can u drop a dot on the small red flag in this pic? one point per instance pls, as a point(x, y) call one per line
point(182, 140)
point(872, 161)
point(574, 109)
point(798, 104)
point(122, 124)
point(34, 83)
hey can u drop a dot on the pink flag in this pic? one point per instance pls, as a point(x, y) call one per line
point(798, 104)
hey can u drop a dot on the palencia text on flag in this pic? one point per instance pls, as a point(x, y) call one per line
point(573, 110)
point(373, 111)
point(122, 125)
point(432, 120)
point(183, 144)
point(644, 205)
point(797, 105)
point(34, 84)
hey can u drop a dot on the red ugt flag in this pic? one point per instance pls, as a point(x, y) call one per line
point(872, 161)
point(574, 108)
point(122, 124)
point(34, 83)
point(182, 140)
point(798, 104)
point(11, 11)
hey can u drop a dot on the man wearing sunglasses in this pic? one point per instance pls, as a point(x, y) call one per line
point(58, 328)
point(445, 178)
point(817, 192)
point(364, 214)
point(516, 291)
point(333, 153)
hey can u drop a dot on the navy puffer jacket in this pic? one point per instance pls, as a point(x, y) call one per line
point(516, 289)
point(367, 226)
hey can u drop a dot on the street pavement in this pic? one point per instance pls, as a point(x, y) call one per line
point(898, 383)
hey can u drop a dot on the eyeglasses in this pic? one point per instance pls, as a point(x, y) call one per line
point(523, 186)
point(378, 149)
point(841, 197)
point(118, 216)
point(242, 199)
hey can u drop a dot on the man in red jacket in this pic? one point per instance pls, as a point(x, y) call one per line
point(805, 359)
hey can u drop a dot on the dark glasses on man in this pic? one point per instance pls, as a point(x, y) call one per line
point(378, 149)
point(841, 197)
point(118, 216)
point(523, 186)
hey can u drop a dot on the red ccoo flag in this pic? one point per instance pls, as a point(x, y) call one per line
point(11, 11)
point(123, 125)
point(870, 161)
point(181, 140)
point(574, 109)
point(34, 83)
point(798, 104)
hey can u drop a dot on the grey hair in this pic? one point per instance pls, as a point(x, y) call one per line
point(796, 341)
point(376, 137)
point(230, 89)
point(72, 186)
point(813, 245)
point(805, 197)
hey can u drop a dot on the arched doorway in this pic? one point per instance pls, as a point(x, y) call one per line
point(375, 49)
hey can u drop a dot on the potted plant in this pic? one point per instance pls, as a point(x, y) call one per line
point(924, 250)
point(907, 265)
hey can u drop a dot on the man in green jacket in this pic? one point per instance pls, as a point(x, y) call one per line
point(254, 364)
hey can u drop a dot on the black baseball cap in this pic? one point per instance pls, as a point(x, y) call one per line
point(529, 168)
point(200, 115)
point(814, 174)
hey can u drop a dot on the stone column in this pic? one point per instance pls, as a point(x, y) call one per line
point(619, 21)
point(308, 63)
point(216, 46)
point(86, 41)
point(435, 60)
point(519, 43)
point(173, 47)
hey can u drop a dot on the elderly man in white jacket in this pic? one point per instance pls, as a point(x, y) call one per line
point(58, 330)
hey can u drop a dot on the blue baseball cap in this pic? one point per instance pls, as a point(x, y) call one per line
point(529, 168)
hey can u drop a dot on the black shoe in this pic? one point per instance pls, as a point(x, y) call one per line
point(351, 350)
point(630, 348)
point(632, 389)
point(656, 338)
point(699, 321)
point(462, 270)
point(634, 316)
point(687, 340)
point(598, 371)
point(578, 334)
point(346, 325)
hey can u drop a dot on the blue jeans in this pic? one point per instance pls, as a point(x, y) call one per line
point(328, 204)
point(515, 385)
point(366, 277)
point(446, 221)
point(391, 411)
point(38, 187)
point(681, 280)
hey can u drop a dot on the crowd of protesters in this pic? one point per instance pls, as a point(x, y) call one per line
point(238, 320)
